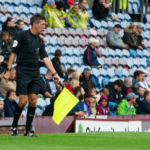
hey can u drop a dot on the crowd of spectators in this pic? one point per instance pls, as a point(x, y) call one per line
point(128, 97)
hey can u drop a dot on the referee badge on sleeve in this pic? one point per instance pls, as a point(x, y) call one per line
point(15, 43)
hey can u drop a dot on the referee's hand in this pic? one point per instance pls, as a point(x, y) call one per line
point(58, 78)
point(7, 76)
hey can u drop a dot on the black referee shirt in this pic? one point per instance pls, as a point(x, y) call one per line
point(28, 47)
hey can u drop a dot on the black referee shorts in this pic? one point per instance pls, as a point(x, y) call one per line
point(28, 80)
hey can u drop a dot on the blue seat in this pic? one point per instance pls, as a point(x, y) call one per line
point(118, 73)
point(38, 10)
point(110, 24)
point(125, 73)
point(130, 8)
point(103, 72)
point(48, 101)
point(138, 2)
point(76, 52)
point(146, 35)
point(43, 70)
point(32, 11)
point(146, 43)
point(2, 2)
point(90, 13)
point(97, 24)
point(140, 53)
point(148, 18)
point(146, 53)
point(127, 17)
point(16, 2)
point(148, 62)
point(143, 25)
point(104, 52)
point(10, 9)
point(104, 24)
point(40, 102)
point(70, 61)
point(143, 63)
point(111, 53)
point(68, 52)
point(25, 12)
point(119, 53)
point(120, 16)
point(30, 3)
point(110, 73)
point(95, 72)
point(105, 82)
point(23, 3)
point(147, 26)
point(136, 8)
point(17, 11)
point(38, 3)
point(129, 62)
point(126, 53)
point(2, 19)
point(101, 61)
point(133, 53)
point(79, 60)
point(63, 59)
point(124, 24)
point(53, 42)
point(136, 63)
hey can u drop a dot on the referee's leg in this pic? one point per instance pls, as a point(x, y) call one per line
point(31, 111)
point(18, 110)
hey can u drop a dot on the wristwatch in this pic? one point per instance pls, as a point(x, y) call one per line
point(54, 73)
point(8, 69)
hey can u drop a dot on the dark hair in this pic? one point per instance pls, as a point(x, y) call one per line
point(76, 90)
point(7, 58)
point(9, 19)
point(19, 21)
point(120, 83)
point(36, 18)
point(86, 86)
point(9, 93)
point(58, 53)
point(138, 73)
point(117, 26)
point(146, 94)
point(4, 33)
point(60, 5)
point(11, 33)
point(71, 71)
point(80, 1)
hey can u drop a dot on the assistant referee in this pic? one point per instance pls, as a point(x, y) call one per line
point(27, 47)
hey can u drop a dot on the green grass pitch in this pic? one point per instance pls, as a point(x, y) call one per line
point(80, 141)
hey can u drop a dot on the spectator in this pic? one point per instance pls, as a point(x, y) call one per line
point(2, 112)
point(126, 106)
point(140, 91)
point(66, 82)
point(90, 57)
point(10, 103)
point(76, 15)
point(86, 85)
point(48, 86)
point(86, 76)
point(88, 98)
point(10, 39)
point(70, 72)
point(115, 91)
point(20, 25)
point(93, 106)
point(139, 80)
point(114, 39)
point(113, 107)
point(70, 2)
point(10, 84)
point(48, 12)
point(76, 76)
point(109, 15)
point(72, 85)
point(79, 96)
point(83, 4)
point(130, 37)
point(103, 108)
point(4, 46)
point(43, 3)
point(9, 26)
point(103, 91)
point(0, 60)
point(144, 106)
point(139, 29)
point(57, 64)
point(127, 86)
point(63, 16)
point(100, 9)
point(4, 64)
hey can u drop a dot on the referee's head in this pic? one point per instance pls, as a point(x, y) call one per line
point(38, 23)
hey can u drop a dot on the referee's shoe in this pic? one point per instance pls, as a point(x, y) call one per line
point(14, 132)
point(30, 133)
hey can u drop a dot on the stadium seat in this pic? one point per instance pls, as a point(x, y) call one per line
point(82, 43)
point(96, 72)
point(126, 53)
point(101, 61)
point(25, 12)
point(60, 42)
point(115, 63)
point(110, 24)
point(100, 33)
point(110, 73)
point(122, 64)
point(135, 8)
point(67, 43)
point(111, 53)
point(78, 61)
point(108, 62)
point(125, 73)
point(2, 19)
point(133, 53)
point(30, 3)
point(104, 52)
point(79, 33)
point(17, 11)
point(119, 53)
point(72, 33)
point(64, 33)
point(105, 82)
point(3, 10)
point(136, 63)
point(118, 73)
point(143, 63)
point(76, 52)
point(131, 72)
point(127, 17)
point(129, 62)
point(70, 60)
point(140, 53)
point(104, 25)
point(63, 60)
point(120, 16)
point(103, 72)
point(86, 33)
point(57, 32)
point(43, 70)
point(146, 53)
point(48, 101)
point(97, 24)
point(68, 52)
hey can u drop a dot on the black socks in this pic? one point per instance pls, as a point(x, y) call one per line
point(17, 114)
point(30, 116)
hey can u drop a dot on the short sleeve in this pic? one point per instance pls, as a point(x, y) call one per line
point(43, 52)
point(17, 43)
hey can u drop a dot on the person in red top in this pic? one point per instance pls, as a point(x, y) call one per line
point(73, 83)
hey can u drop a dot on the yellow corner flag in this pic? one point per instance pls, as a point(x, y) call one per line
point(63, 105)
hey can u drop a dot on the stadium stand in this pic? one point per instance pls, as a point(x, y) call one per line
point(120, 63)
